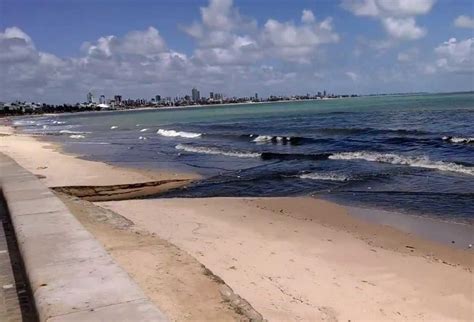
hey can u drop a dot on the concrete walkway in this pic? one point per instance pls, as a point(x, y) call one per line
point(71, 276)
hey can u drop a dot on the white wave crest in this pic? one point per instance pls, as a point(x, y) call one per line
point(113, 127)
point(454, 139)
point(72, 132)
point(76, 136)
point(268, 138)
point(324, 176)
point(263, 138)
point(215, 151)
point(143, 130)
point(23, 122)
point(173, 133)
point(421, 162)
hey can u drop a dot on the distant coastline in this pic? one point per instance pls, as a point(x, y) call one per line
point(173, 107)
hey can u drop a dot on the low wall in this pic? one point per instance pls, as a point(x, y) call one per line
point(71, 275)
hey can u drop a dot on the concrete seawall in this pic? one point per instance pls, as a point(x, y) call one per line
point(72, 277)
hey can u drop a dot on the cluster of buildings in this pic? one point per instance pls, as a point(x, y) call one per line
point(117, 102)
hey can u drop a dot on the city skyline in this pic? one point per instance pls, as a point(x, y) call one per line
point(234, 47)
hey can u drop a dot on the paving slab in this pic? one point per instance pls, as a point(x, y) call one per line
point(53, 249)
point(57, 222)
point(67, 288)
point(119, 312)
point(34, 206)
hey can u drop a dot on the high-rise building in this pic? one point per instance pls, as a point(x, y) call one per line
point(157, 98)
point(211, 95)
point(118, 99)
point(195, 95)
point(90, 98)
point(102, 99)
point(256, 96)
point(324, 93)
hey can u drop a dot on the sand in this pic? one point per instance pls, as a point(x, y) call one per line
point(290, 258)
point(290, 263)
point(56, 169)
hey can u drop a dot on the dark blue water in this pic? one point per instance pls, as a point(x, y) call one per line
point(413, 154)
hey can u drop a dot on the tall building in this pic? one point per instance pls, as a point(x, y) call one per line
point(211, 95)
point(195, 94)
point(90, 98)
point(118, 99)
point(256, 96)
point(324, 93)
point(102, 99)
point(157, 98)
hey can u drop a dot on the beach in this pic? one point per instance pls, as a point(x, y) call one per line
point(291, 258)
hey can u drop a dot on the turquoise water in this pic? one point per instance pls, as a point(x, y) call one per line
point(413, 154)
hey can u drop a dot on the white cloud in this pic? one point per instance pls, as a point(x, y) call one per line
point(225, 37)
point(109, 66)
point(24, 68)
point(403, 28)
point(464, 21)
point(16, 46)
point(456, 56)
point(388, 8)
point(222, 15)
point(307, 16)
point(297, 42)
point(396, 16)
point(405, 8)
point(146, 42)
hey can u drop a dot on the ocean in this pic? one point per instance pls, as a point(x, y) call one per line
point(412, 154)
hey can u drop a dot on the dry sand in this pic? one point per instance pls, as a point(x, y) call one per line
point(293, 263)
point(291, 258)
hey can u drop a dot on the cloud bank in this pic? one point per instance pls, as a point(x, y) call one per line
point(232, 54)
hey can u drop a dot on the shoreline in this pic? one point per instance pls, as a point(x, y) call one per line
point(291, 258)
point(406, 223)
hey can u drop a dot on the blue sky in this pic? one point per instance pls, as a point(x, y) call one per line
point(59, 50)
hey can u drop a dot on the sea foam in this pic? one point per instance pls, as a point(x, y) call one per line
point(73, 132)
point(454, 139)
point(173, 133)
point(324, 176)
point(216, 151)
point(76, 136)
point(421, 162)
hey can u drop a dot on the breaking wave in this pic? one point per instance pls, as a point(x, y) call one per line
point(76, 136)
point(73, 132)
point(324, 176)
point(173, 133)
point(454, 139)
point(216, 151)
point(292, 140)
point(421, 162)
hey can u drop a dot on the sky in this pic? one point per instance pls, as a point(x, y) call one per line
point(57, 51)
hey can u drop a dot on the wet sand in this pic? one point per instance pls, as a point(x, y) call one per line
point(291, 258)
